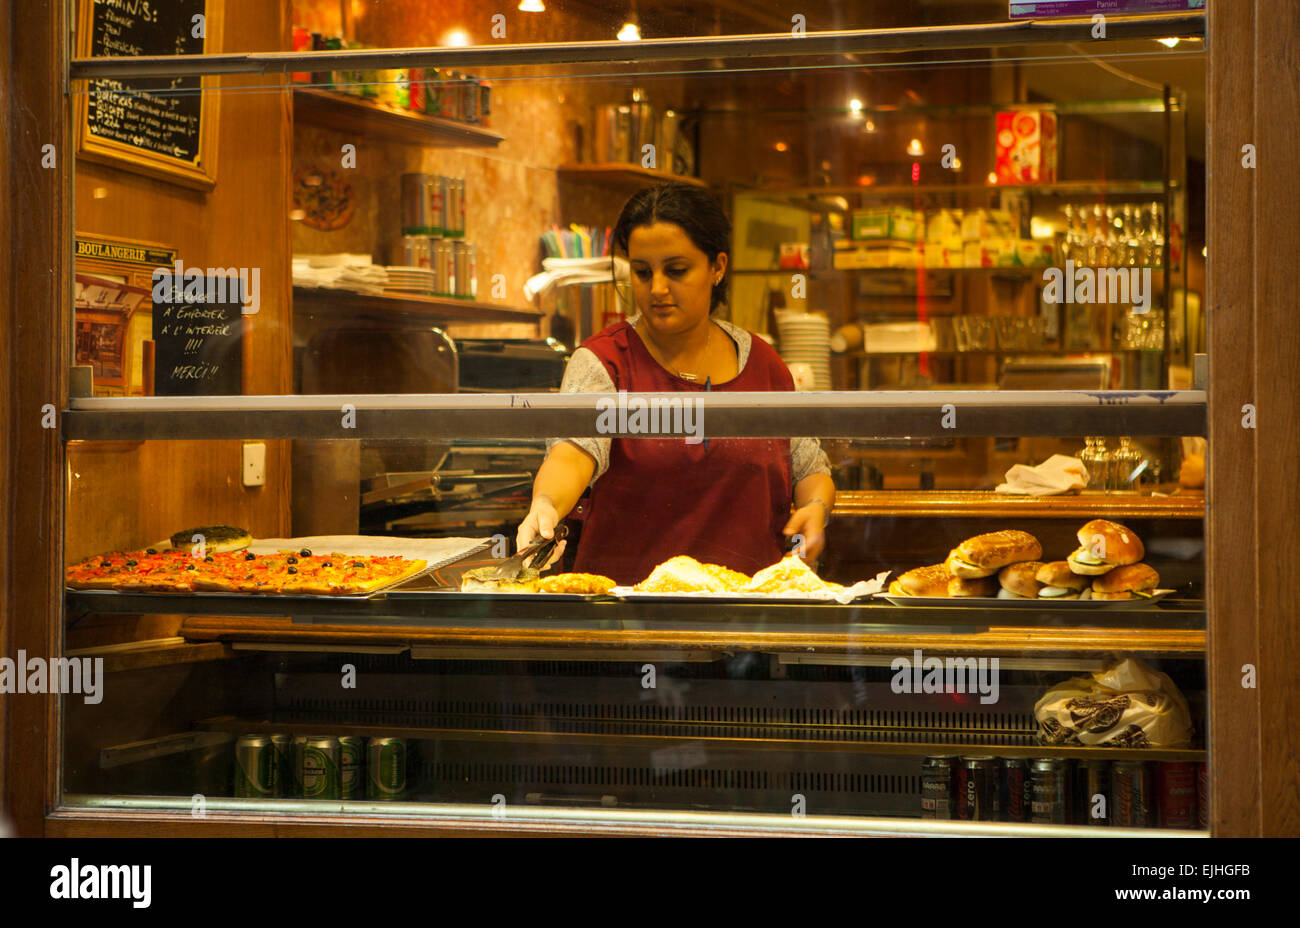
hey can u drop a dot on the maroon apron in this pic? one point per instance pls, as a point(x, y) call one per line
point(660, 497)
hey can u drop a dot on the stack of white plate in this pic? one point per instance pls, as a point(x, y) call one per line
point(806, 339)
point(409, 280)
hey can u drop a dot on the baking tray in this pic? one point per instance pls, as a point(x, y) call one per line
point(992, 602)
point(737, 598)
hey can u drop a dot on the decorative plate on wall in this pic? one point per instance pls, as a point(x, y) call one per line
point(323, 197)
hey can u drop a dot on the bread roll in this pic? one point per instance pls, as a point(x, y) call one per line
point(922, 581)
point(985, 555)
point(1104, 545)
point(1123, 582)
point(1059, 581)
point(983, 587)
point(1019, 578)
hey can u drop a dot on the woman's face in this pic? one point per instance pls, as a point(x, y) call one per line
point(672, 279)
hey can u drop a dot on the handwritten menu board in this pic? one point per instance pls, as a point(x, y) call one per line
point(197, 339)
point(159, 126)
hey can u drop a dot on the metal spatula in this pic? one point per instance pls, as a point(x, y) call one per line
point(539, 549)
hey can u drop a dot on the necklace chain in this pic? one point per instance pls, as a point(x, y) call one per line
point(691, 377)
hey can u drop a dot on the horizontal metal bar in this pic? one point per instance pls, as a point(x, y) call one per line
point(844, 42)
point(901, 415)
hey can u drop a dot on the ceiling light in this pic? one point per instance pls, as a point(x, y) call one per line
point(629, 33)
point(1168, 43)
point(457, 38)
point(869, 126)
point(993, 177)
point(781, 146)
point(532, 6)
point(855, 106)
point(956, 164)
point(915, 149)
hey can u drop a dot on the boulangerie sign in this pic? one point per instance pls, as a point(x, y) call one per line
point(1039, 9)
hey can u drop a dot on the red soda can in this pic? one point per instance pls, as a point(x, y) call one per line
point(977, 789)
point(1176, 794)
point(1017, 791)
point(1130, 794)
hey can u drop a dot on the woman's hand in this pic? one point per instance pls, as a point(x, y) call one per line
point(541, 520)
point(810, 522)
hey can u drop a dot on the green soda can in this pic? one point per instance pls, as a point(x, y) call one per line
point(386, 768)
point(320, 768)
point(284, 778)
point(351, 767)
point(254, 767)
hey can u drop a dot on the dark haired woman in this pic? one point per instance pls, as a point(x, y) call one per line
point(727, 502)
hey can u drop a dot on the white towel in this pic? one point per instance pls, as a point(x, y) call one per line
point(1058, 474)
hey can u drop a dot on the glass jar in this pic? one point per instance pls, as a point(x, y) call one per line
point(1096, 459)
point(1126, 460)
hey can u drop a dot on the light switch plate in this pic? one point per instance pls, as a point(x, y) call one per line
point(254, 464)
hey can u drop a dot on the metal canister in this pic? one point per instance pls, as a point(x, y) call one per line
point(1203, 795)
point(469, 95)
point(415, 90)
point(284, 776)
point(416, 251)
point(1051, 787)
point(1094, 781)
point(352, 759)
point(1175, 783)
point(444, 267)
point(386, 768)
point(453, 207)
point(484, 103)
point(415, 204)
point(295, 766)
point(254, 767)
point(977, 789)
point(466, 270)
point(1131, 794)
point(1017, 790)
point(436, 192)
point(937, 787)
point(319, 768)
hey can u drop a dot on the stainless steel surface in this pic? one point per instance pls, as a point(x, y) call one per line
point(838, 43)
point(877, 414)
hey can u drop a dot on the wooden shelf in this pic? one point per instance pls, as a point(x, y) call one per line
point(980, 503)
point(621, 175)
point(367, 119)
point(411, 307)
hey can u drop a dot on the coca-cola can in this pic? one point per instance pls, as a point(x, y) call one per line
point(937, 787)
point(1052, 795)
point(1017, 790)
point(977, 789)
point(1176, 794)
point(1130, 794)
point(1094, 782)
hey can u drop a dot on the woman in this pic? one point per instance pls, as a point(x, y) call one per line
point(727, 501)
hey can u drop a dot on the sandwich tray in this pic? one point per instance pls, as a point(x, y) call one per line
point(993, 602)
point(627, 593)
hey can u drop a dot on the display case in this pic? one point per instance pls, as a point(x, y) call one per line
point(338, 409)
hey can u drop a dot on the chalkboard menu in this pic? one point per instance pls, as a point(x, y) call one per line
point(197, 336)
point(160, 126)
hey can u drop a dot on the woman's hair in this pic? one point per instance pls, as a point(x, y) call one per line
point(694, 209)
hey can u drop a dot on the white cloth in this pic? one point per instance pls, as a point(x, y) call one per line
point(1058, 474)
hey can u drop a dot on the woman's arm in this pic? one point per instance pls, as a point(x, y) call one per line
point(561, 480)
point(814, 500)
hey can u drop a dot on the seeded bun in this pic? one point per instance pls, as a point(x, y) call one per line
point(1019, 578)
point(922, 581)
point(1059, 581)
point(985, 555)
point(1124, 582)
point(983, 586)
point(1104, 545)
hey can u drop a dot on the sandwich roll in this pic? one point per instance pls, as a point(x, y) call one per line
point(1129, 582)
point(985, 555)
point(984, 587)
point(1020, 579)
point(1103, 546)
point(1059, 581)
point(922, 581)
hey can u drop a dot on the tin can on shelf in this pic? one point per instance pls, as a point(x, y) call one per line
point(978, 789)
point(937, 787)
point(284, 778)
point(415, 204)
point(1094, 782)
point(453, 206)
point(254, 767)
point(416, 251)
point(386, 768)
point(437, 206)
point(1017, 790)
point(415, 90)
point(466, 270)
point(484, 103)
point(1052, 794)
point(1130, 794)
point(469, 97)
point(1203, 795)
point(333, 43)
point(444, 267)
point(1175, 783)
point(319, 767)
point(352, 759)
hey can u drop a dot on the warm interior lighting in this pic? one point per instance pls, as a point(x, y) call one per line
point(956, 164)
point(1041, 228)
point(629, 33)
point(532, 6)
point(916, 172)
point(100, 193)
point(781, 146)
point(870, 126)
point(1168, 43)
point(457, 38)
point(855, 106)
point(1205, 251)
point(993, 177)
point(915, 149)
point(298, 215)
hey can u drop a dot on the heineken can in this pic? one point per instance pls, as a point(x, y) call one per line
point(319, 767)
point(351, 766)
point(386, 768)
point(284, 778)
point(254, 767)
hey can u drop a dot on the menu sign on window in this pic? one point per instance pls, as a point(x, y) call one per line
point(161, 126)
point(1039, 9)
point(197, 330)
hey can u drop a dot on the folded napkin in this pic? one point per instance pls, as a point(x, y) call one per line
point(1058, 474)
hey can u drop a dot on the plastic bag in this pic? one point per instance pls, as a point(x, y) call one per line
point(1127, 705)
